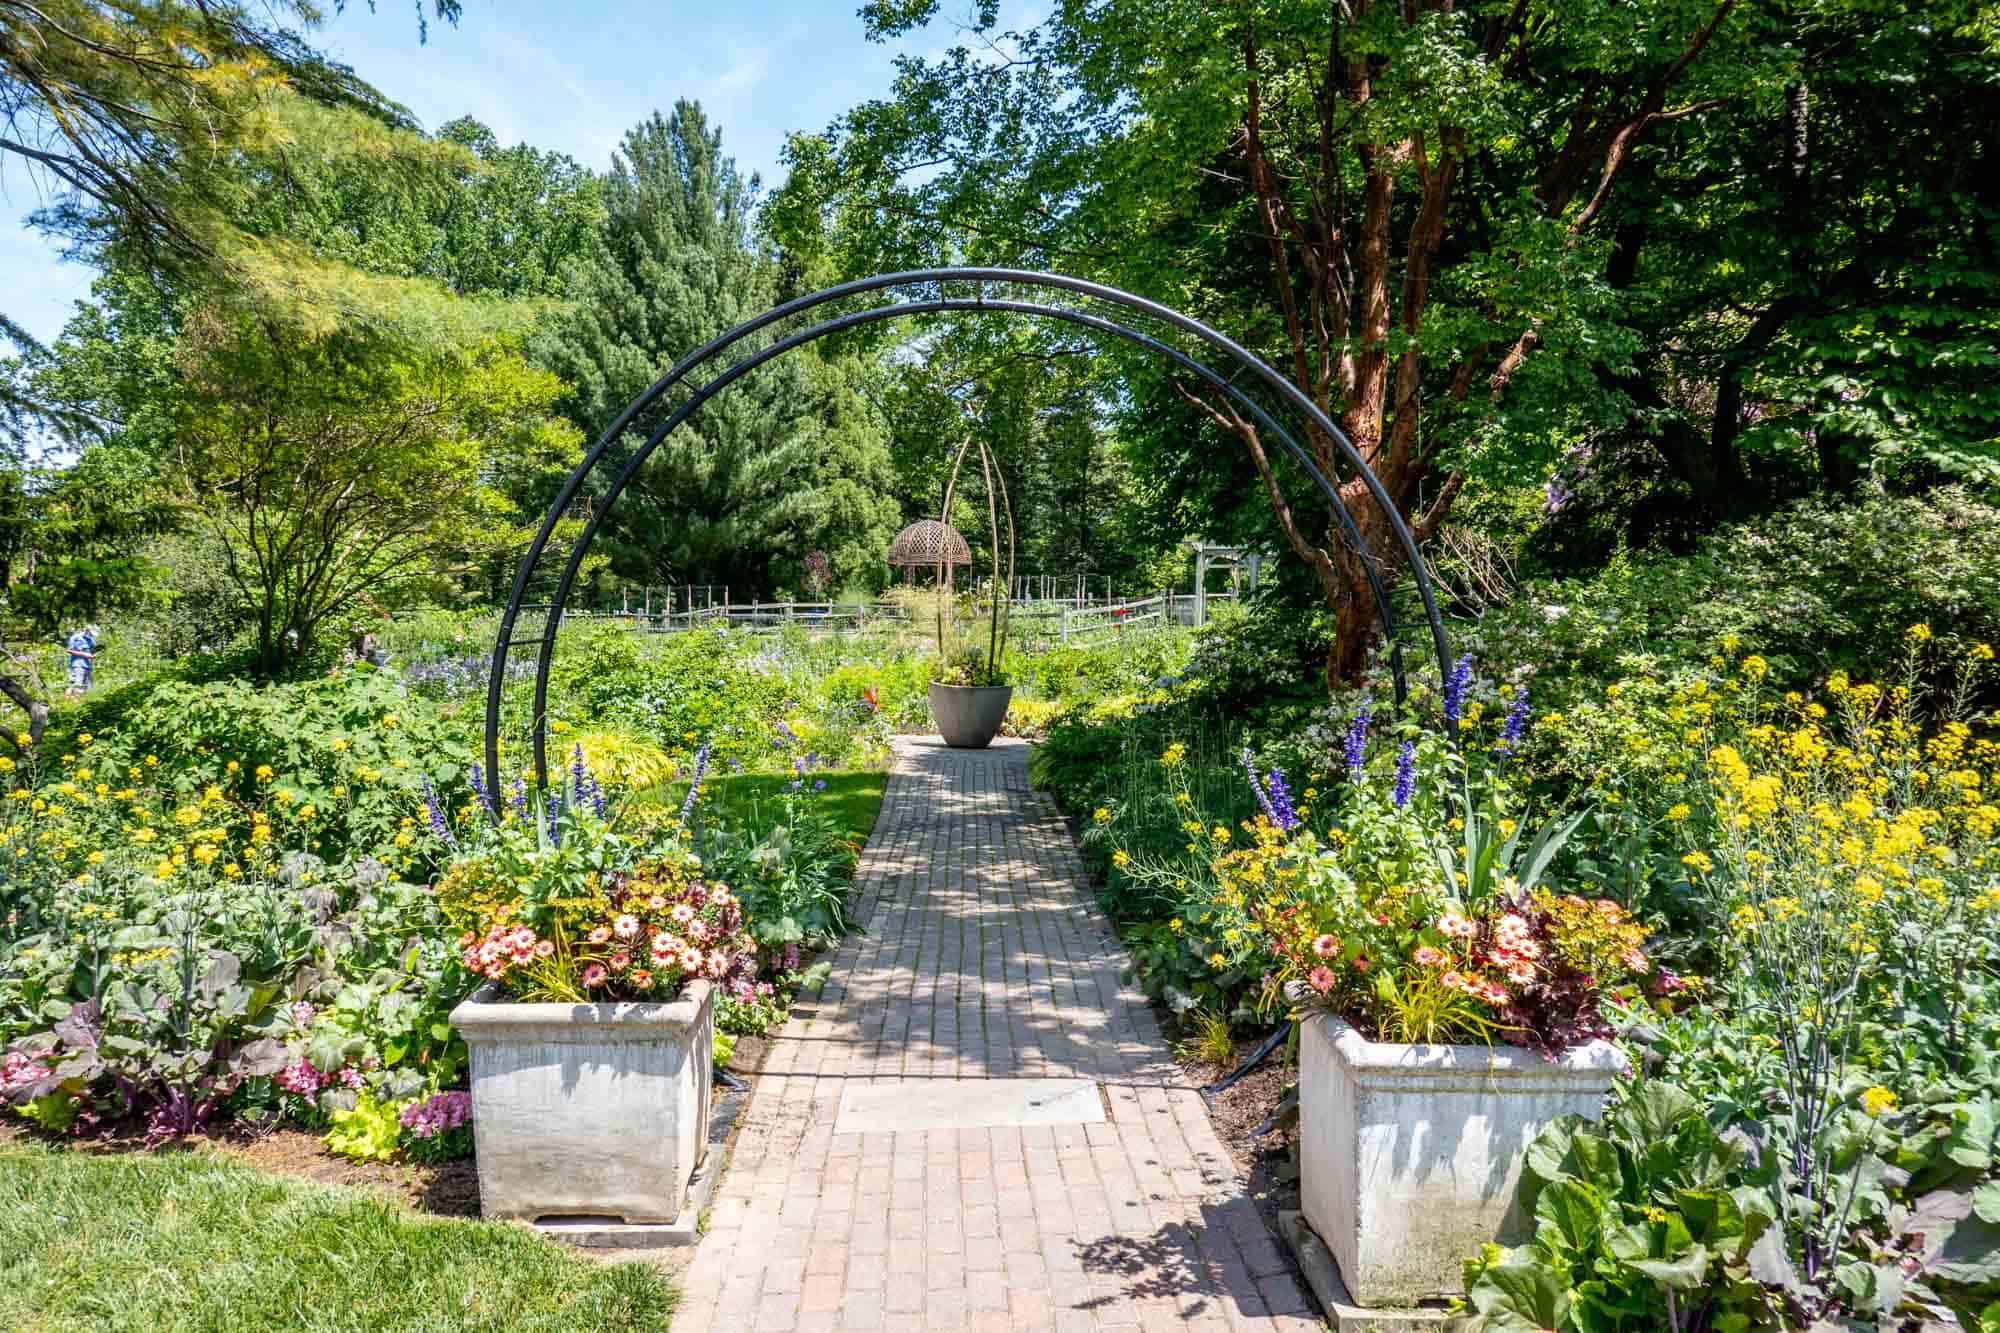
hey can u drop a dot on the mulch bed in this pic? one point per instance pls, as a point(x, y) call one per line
point(1237, 1111)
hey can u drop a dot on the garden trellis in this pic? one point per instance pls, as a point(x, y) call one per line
point(1250, 385)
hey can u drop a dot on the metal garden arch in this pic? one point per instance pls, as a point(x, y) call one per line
point(717, 364)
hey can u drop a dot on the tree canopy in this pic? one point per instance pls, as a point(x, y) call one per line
point(1431, 216)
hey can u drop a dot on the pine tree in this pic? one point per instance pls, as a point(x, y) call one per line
point(787, 460)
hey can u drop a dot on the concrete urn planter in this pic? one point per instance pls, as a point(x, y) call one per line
point(589, 1110)
point(1409, 1155)
point(969, 716)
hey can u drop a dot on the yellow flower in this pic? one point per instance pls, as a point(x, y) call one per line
point(1699, 862)
point(265, 773)
point(1918, 633)
point(1680, 812)
point(1216, 960)
point(1101, 815)
point(1878, 1099)
point(1981, 652)
point(1174, 755)
point(1121, 858)
point(1756, 668)
point(232, 767)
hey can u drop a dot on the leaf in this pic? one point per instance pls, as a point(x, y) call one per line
point(1972, 1255)
point(1870, 1289)
point(1655, 1113)
point(1574, 1211)
point(1971, 1140)
point(223, 970)
point(1524, 1288)
point(1712, 1217)
point(260, 1058)
point(1689, 1272)
point(1986, 1201)
point(79, 1027)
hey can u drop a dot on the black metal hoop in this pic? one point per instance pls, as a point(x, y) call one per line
point(1291, 395)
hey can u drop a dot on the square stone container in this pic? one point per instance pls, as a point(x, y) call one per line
point(588, 1110)
point(1409, 1155)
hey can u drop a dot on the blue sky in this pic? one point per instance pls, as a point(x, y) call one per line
point(571, 75)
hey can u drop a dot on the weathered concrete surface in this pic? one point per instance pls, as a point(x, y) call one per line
point(985, 959)
point(1323, 1276)
point(598, 1110)
point(1409, 1155)
point(914, 1106)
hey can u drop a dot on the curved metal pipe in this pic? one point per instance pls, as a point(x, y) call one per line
point(574, 482)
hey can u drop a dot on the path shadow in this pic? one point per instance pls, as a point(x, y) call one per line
point(1204, 1267)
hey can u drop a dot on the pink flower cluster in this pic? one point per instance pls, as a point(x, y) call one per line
point(20, 1069)
point(1514, 948)
point(437, 1114)
point(505, 946)
point(300, 1078)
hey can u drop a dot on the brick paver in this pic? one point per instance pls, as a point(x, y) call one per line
point(984, 957)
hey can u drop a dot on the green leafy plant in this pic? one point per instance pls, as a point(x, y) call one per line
point(1637, 1228)
point(368, 1131)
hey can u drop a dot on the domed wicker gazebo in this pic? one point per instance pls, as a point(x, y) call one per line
point(926, 544)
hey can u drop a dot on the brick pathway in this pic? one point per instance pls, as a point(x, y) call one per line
point(984, 958)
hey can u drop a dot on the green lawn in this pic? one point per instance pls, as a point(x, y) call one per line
point(853, 797)
point(193, 1241)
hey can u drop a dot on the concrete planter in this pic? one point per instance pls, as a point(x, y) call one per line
point(588, 1110)
point(1409, 1155)
point(969, 716)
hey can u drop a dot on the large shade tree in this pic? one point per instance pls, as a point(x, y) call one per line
point(1413, 209)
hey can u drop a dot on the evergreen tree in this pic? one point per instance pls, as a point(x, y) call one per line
point(788, 460)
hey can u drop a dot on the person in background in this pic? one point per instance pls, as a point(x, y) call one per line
point(82, 648)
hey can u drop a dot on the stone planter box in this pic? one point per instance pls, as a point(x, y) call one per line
point(588, 1110)
point(969, 716)
point(1409, 1155)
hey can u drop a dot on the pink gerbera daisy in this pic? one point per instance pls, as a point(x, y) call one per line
point(620, 961)
point(543, 948)
point(643, 979)
point(1322, 979)
point(1455, 923)
point(1326, 946)
point(600, 935)
point(625, 927)
point(1426, 956)
point(593, 975)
